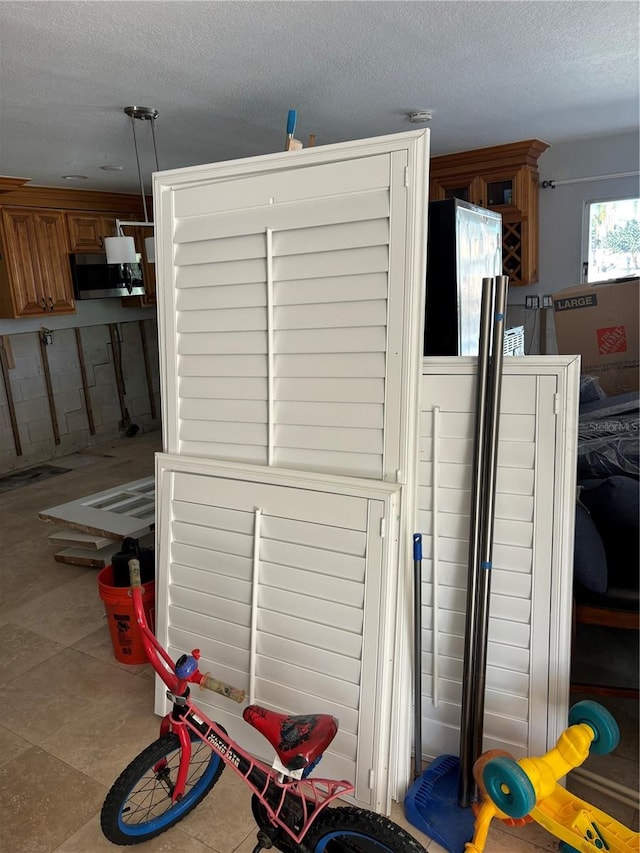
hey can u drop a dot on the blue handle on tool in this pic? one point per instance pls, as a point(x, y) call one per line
point(417, 546)
point(291, 122)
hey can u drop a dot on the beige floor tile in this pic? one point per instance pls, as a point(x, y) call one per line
point(89, 839)
point(37, 707)
point(223, 819)
point(503, 837)
point(108, 735)
point(66, 614)
point(44, 801)
point(99, 645)
point(248, 844)
point(22, 650)
point(11, 746)
point(12, 530)
point(28, 571)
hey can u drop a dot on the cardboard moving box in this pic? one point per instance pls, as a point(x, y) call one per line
point(600, 323)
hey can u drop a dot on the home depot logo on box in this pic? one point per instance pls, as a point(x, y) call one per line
point(613, 339)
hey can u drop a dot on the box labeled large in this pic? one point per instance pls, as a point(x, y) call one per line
point(600, 323)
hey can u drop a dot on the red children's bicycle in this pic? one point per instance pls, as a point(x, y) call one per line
point(172, 775)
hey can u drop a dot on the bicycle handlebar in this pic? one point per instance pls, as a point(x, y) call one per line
point(227, 690)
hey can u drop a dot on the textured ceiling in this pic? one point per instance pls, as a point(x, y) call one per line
point(224, 74)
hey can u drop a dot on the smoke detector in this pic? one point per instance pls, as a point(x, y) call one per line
point(420, 116)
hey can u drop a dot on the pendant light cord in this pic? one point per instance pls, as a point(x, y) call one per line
point(153, 136)
point(135, 145)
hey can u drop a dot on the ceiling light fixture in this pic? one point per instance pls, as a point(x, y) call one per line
point(121, 249)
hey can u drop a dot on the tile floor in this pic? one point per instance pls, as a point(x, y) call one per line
point(73, 716)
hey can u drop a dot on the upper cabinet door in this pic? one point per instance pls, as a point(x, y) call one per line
point(25, 281)
point(88, 230)
point(292, 303)
point(37, 259)
point(85, 232)
point(53, 257)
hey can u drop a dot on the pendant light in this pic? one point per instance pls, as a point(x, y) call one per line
point(120, 249)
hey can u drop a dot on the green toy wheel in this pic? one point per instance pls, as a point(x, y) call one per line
point(509, 787)
point(606, 734)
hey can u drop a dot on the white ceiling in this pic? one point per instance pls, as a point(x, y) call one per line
point(224, 74)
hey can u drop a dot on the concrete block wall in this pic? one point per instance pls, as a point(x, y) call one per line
point(30, 398)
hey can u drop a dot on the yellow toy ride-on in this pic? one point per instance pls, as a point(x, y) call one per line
point(528, 789)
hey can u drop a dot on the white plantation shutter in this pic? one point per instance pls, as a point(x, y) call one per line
point(290, 313)
point(325, 571)
point(289, 316)
point(527, 657)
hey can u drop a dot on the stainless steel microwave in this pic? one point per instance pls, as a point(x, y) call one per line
point(94, 278)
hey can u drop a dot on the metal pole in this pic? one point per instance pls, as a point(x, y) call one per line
point(466, 712)
point(486, 551)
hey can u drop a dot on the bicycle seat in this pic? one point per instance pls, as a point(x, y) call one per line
point(297, 740)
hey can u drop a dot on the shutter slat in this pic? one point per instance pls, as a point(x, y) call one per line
point(364, 205)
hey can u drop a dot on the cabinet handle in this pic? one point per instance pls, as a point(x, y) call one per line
point(44, 304)
point(53, 307)
point(101, 242)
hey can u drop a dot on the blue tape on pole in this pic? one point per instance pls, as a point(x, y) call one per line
point(417, 546)
point(485, 565)
point(499, 316)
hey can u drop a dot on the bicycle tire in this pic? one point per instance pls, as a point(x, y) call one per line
point(138, 807)
point(348, 829)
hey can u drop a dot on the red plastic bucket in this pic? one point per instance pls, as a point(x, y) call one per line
point(125, 634)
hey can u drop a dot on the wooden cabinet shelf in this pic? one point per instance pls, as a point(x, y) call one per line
point(502, 178)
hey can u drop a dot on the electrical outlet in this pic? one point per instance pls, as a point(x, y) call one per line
point(547, 302)
point(532, 302)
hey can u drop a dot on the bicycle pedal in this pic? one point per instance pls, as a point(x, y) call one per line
point(264, 842)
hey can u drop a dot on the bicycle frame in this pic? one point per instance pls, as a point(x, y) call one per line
point(274, 790)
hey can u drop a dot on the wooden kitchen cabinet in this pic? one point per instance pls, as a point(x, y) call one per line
point(35, 276)
point(503, 178)
point(88, 230)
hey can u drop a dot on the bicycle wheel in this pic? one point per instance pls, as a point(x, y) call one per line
point(352, 830)
point(139, 806)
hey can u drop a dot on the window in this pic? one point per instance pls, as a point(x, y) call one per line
point(611, 239)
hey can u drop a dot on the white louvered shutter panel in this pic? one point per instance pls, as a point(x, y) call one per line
point(290, 308)
point(324, 571)
point(527, 604)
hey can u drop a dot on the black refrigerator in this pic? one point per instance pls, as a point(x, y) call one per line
point(464, 245)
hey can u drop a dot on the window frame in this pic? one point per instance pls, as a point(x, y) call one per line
point(586, 217)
